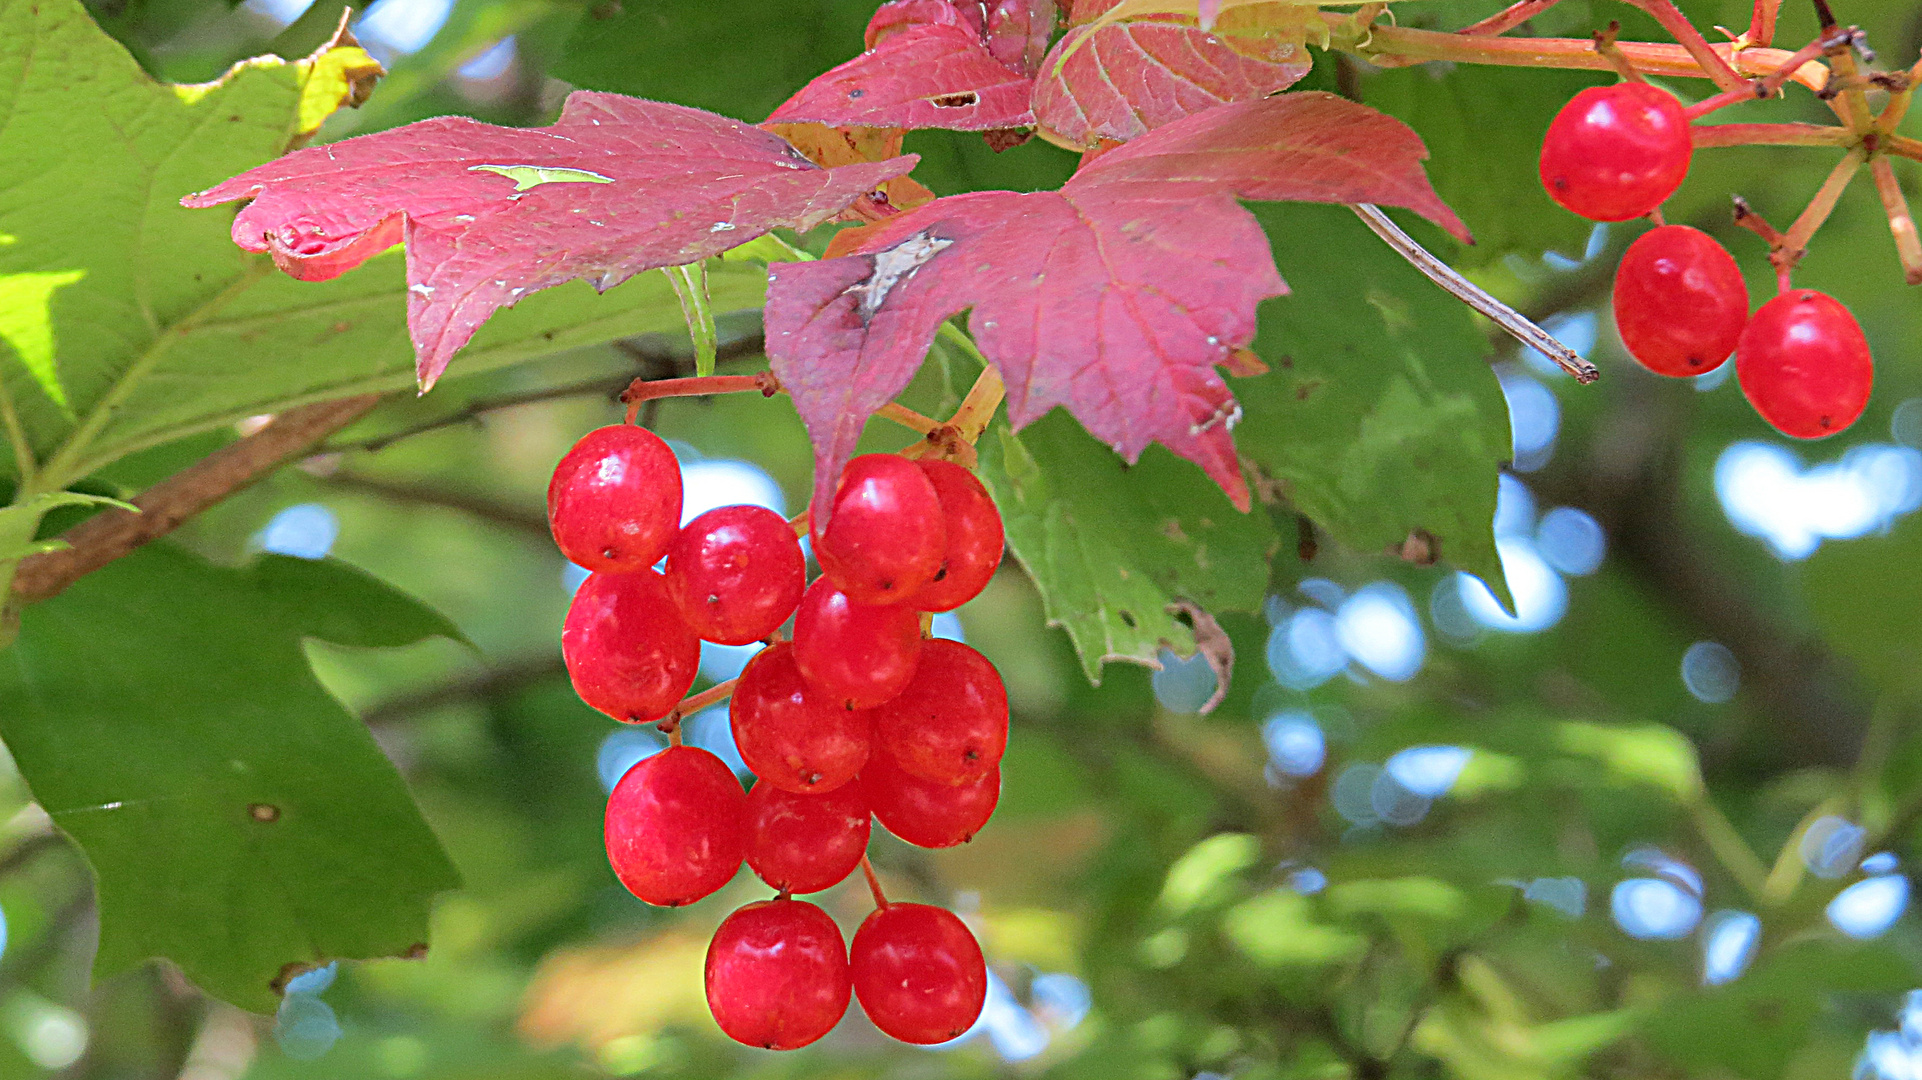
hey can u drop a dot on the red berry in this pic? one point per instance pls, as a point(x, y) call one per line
point(615, 500)
point(791, 736)
point(627, 647)
point(858, 655)
point(777, 974)
point(1804, 364)
point(919, 973)
point(951, 724)
point(806, 843)
point(1680, 301)
point(926, 813)
point(737, 573)
point(676, 826)
point(1615, 152)
point(884, 538)
point(973, 528)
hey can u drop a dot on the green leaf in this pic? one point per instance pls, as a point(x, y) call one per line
point(1381, 416)
point(1483, 127)
point(1276, 929)
point(1864, 595)
point(1110, 546)
point(147, 323)
point(1200, 877)
point(238, 819)
point(740, 59)
point(1651, 754)
point(19, 522)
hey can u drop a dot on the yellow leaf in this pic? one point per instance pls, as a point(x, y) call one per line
point(340, 73)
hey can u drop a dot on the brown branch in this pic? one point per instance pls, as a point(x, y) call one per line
point(499, 681)
point(165, 506)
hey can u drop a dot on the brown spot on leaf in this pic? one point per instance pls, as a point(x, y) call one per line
point(265, 813)
point(1214, 645)
point(1421, 547)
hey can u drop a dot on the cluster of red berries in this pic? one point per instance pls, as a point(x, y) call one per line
point(857, 715)
point(1681, 306)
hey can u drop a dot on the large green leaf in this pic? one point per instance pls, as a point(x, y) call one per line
point(740, 59)
point(238, 819)
point(1381, 416)
point(1111, 546)
point(1483, 127)
point(126, 320)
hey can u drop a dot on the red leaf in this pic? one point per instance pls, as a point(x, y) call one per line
point(923, 69)
point(1018, 33)
point(1117, 296)
point(489, 214)
point(1121, 80)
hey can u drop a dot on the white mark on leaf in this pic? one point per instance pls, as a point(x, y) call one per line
point(894, 266)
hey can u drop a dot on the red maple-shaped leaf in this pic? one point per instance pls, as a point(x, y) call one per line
point(1018, 32)
point(489, 214)
point(1120, 80)
point(928, 64)
point(1117, 296)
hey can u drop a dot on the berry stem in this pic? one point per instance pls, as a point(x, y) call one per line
point(1394, 46)
point(1761, 24)
point(977, 408)
point(908, 418)
point(1474, 296)
point(643, 390)
point(1714, 64)
point(1901, 222)
point(1715, 136)
point(1747, 218)
point(1796, 241)
point(1508, 18)
point(1606, 47)
point(874, 883)
point(693, 703)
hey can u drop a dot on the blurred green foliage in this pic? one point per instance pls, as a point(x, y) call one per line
point(1227, 914)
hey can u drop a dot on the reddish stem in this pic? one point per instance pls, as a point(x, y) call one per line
point(1901, 223)
point(1508, 18)
point(1684, 32)
point(1715, 136)
point(1761, 25)
point(693, 703)
point(874, 883)
point(642, 390)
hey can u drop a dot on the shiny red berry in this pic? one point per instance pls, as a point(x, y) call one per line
point(1680, 301)
point(615, 500)
point(777, 974)
point(1804, 364)
point(858, 655)
point(973, 528)
point(1616, 152)
point(919, 973)
point(951, 724)
point(806, 843)
point(737, 573)
point(885, 537)
point(676, 826)
point(790, 735)
point(926, 813)
point(627, 647)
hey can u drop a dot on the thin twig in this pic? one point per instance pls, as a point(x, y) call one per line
point(112, 533)
point(874, 883)
point(694, 703)
point(1508, 18)
point(1439, 272)
point(1901, 222)
point(1761, 24)
point(1787, 133)
point(498, 681)
point(489, 510)
point(1714, 64)
point(642, 390)
point(474, 410)
point(1823, 203)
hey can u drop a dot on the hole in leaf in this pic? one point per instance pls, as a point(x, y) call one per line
point(955, 101)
